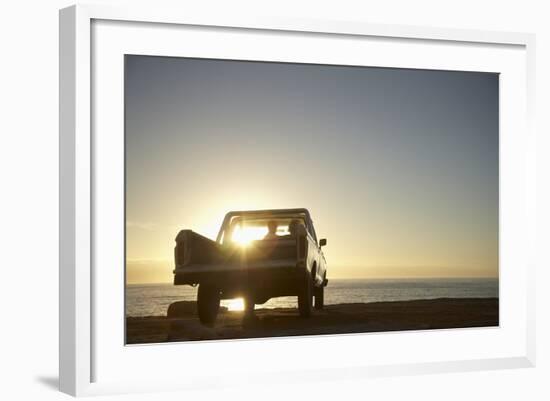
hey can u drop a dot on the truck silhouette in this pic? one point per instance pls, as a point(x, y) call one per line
point(258, 255)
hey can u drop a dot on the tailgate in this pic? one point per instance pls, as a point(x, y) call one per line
point(198, 257)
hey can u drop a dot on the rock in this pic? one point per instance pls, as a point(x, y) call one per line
point(182, 309)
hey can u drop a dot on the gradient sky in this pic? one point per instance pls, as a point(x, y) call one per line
point(399, 168)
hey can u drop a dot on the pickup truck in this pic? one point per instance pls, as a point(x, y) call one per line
point(258, 255)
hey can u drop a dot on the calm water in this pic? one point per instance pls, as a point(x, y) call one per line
point(153, 299)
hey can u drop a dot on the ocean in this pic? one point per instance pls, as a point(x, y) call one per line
point(154, 299)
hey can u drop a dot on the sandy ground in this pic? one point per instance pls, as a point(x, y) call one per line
point(181, 322)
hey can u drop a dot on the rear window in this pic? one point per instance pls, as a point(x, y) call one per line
point(245, 229)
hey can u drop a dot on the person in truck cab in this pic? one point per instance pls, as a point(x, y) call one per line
point(271, 230)
point(293, 227)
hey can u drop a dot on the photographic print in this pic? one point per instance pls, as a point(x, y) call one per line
point(268, 199)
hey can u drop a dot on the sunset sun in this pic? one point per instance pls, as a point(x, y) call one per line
point(245, 235)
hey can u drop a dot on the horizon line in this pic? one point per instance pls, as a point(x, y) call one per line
point(361, 278)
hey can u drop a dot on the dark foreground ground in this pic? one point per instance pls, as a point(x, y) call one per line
point(181, 322)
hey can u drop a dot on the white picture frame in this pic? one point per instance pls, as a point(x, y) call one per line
point(86, 348)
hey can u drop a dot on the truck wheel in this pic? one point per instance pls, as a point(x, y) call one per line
point(305, 297)
point(208, 303)
point(319, 297)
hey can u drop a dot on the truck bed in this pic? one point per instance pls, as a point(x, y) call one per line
point(201, 259)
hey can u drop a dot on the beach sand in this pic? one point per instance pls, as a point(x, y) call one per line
point(182, 324)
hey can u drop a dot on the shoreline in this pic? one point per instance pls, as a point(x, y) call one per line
point(182, 324)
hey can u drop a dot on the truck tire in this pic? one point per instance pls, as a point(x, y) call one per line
point(208, 303)
point(319, 297)
point(305, 297)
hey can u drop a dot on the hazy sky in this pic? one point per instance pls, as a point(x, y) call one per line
point(399, 168)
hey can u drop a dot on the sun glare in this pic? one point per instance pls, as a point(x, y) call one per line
point(236, 304)
point(244, 236)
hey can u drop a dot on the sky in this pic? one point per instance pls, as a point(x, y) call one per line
point(398, 167)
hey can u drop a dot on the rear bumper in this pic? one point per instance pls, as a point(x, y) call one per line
point(270, 277)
